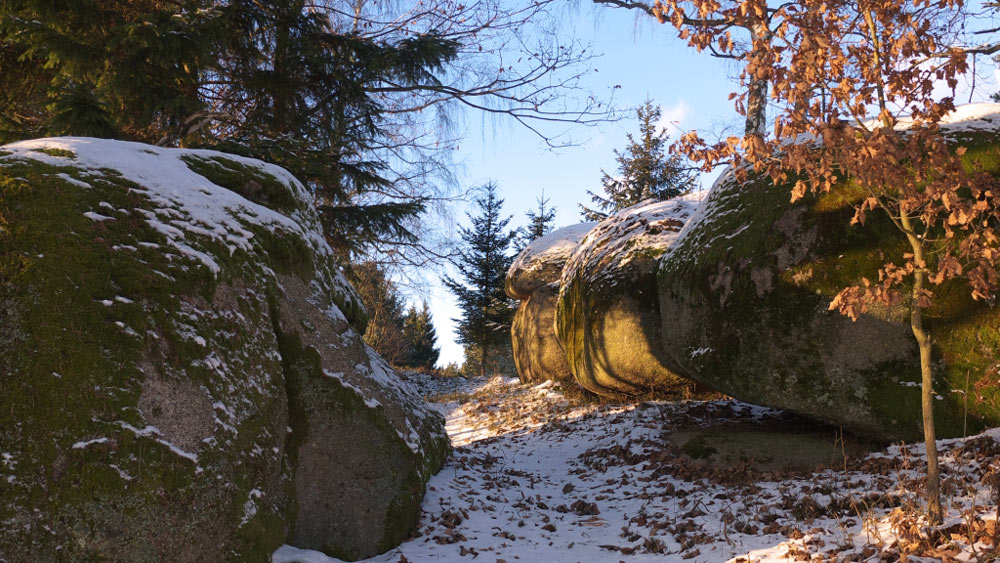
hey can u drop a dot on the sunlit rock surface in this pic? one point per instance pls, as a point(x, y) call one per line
point(607, 316)
point(534, 279)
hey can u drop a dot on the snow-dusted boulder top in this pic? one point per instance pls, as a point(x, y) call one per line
point(542, 261)
point(982, 117)
point(181, 380)
point(607, 318)
point(224, 202)
point(631, 235)
point(744, 295)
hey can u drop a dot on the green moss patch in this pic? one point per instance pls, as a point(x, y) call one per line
point(61, 153)
point(767, 450)
point(248, 181)
point(85, 303)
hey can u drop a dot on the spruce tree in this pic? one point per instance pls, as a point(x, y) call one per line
point(420, 338)
point(483, 262)
point(539, 223)
point(301, 93)
point(107, 69)
point(645, 170)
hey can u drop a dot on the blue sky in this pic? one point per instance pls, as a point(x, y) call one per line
point(642, 57)
point(645, 59)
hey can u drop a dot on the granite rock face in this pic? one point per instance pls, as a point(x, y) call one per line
point(607, 316)
point(744, 298)
point(538, 355)
point(534, 279)
point(183, 378)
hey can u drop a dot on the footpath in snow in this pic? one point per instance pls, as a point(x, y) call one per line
point(537, 475)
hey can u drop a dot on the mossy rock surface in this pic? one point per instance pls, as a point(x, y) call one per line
point(767, 449)
point(538, 355)
point(607, 315)
point(744, 296)
point(147, 393)
point(365, 442)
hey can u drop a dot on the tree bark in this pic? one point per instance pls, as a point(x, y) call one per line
point(923, 337)
point(877, 51)
point(756, 106)
point(934, 511)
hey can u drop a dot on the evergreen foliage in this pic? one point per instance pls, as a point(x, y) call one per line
point(404, 337)
point(101, 68)
point(298, 93)
point(385, 330)
point(271, 79)
point(645, 170)
point(539, 223)
point(483, 261)
point(420, 338)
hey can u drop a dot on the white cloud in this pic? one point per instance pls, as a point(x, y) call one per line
point(672, 117)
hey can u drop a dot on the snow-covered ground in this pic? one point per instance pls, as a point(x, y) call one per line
point(537, 475)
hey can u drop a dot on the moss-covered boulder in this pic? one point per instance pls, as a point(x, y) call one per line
point(534, 279)
point(365, 443)
point(607, 316)
point(157, 403)
point(745, 293)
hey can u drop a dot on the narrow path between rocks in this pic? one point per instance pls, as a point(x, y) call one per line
point(538, 476)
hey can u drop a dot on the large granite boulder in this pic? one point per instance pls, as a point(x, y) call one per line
point(607, 317)
point(533, 278)
point(181, 380)
point(745, 292)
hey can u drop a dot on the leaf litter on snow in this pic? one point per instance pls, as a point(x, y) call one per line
point(542, 474)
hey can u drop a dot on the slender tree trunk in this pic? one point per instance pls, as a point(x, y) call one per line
point(923, 337)
point(482, 347)
point(756, 106)
point(757, 89)
point(358, 6)
point(877, 51)
point(279, 88)
point(934, 510)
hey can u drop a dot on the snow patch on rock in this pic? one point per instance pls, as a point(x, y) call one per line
point(646, 227)
point(559, 244)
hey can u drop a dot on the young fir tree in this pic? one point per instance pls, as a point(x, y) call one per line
point(645, 170)
point(483, 261)
point(539, 223)
point(420, 338)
